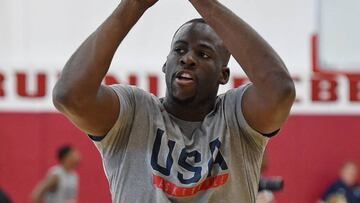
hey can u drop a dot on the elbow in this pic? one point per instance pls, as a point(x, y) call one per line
point(60, 99)
point(286, 93)
point(65, 100)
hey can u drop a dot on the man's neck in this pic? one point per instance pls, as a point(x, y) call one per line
point(189, 111)
point(66, 167)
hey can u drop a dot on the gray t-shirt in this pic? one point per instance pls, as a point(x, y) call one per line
point(67, 188)
point(151, 156)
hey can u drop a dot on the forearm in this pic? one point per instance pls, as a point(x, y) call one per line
point(38, 194)
point(259, 61)
point(83, 73)
point(37, 199)
point(46, 185)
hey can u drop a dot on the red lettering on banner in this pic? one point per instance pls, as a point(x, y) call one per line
point(132, 80)
point(110, 80)
point(324, 88)
point(178, 191)
point(238, 81)
point(2, 91)
point(354, 87)
point(153, 84)
point(22, 89)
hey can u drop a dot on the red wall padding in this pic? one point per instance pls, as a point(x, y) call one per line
point(307, 153)
point(28, 144)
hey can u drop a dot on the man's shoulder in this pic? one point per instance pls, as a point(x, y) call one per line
point(132, 91)
point(338, 184)
point(126, 87)
point(235, 92)
point(56, 170)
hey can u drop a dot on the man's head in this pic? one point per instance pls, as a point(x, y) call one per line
point(68, 157)
point(196, 64)
point(348, 173)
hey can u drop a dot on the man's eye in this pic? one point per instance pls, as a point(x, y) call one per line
point(204, 55)
point(179, 50)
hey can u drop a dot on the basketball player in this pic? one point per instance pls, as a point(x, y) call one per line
point(61, 183)
point(192, 145)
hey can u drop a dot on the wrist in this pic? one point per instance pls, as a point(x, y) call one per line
point(204, 7)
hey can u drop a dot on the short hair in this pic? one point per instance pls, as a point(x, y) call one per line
point(63, 151)
point(201, 20)
point(195, 20)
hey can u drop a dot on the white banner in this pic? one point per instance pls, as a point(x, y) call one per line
point(37, 37)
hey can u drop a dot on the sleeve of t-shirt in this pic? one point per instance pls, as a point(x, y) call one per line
point(116, 139)
point(234, 98)
point(330, 190)
point(54, 171)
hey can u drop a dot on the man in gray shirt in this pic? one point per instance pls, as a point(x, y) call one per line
point(192, 145)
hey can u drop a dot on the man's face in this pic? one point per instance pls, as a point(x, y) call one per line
point(195, 65)
point(349, 174)
point(72, 159)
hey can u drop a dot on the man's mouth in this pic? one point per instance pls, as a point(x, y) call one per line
point(183, 78)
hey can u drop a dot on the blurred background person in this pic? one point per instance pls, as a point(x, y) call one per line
point(265, 197)
point(346, 184)
point(268, 185)
point(4, 198)
point(61, 182)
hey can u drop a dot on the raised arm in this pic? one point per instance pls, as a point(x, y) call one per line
point(266, 104)
point(49, 183)
point(78, 93)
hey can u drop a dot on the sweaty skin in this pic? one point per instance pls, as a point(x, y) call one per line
point(196, 51)
point(194, 69)
point(267, 103)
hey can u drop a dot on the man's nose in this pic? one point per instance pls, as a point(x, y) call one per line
point(188, 59)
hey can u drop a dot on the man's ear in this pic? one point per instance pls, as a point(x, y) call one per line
point(224, 75)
